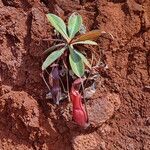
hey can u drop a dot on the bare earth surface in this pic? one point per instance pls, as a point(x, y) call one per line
point(120, 109)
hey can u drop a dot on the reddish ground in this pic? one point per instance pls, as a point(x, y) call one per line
point(28, 121)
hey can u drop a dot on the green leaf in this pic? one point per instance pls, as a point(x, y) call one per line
point(76, 63)
point(52, 48)
point(58, 24)
point(84, 59)
point(86, 42)
point(74, 23)
point(52, 57)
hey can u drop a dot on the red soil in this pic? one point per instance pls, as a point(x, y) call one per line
point(29, 121)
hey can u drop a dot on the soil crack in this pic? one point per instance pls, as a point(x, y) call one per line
point(27, 39)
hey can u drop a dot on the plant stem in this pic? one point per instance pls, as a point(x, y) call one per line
point(90, 72)
point(63, 86)
point(45, 82)
point(67, 78)
point(56, 40)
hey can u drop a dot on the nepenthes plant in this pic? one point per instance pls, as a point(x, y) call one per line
point(65, 58)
